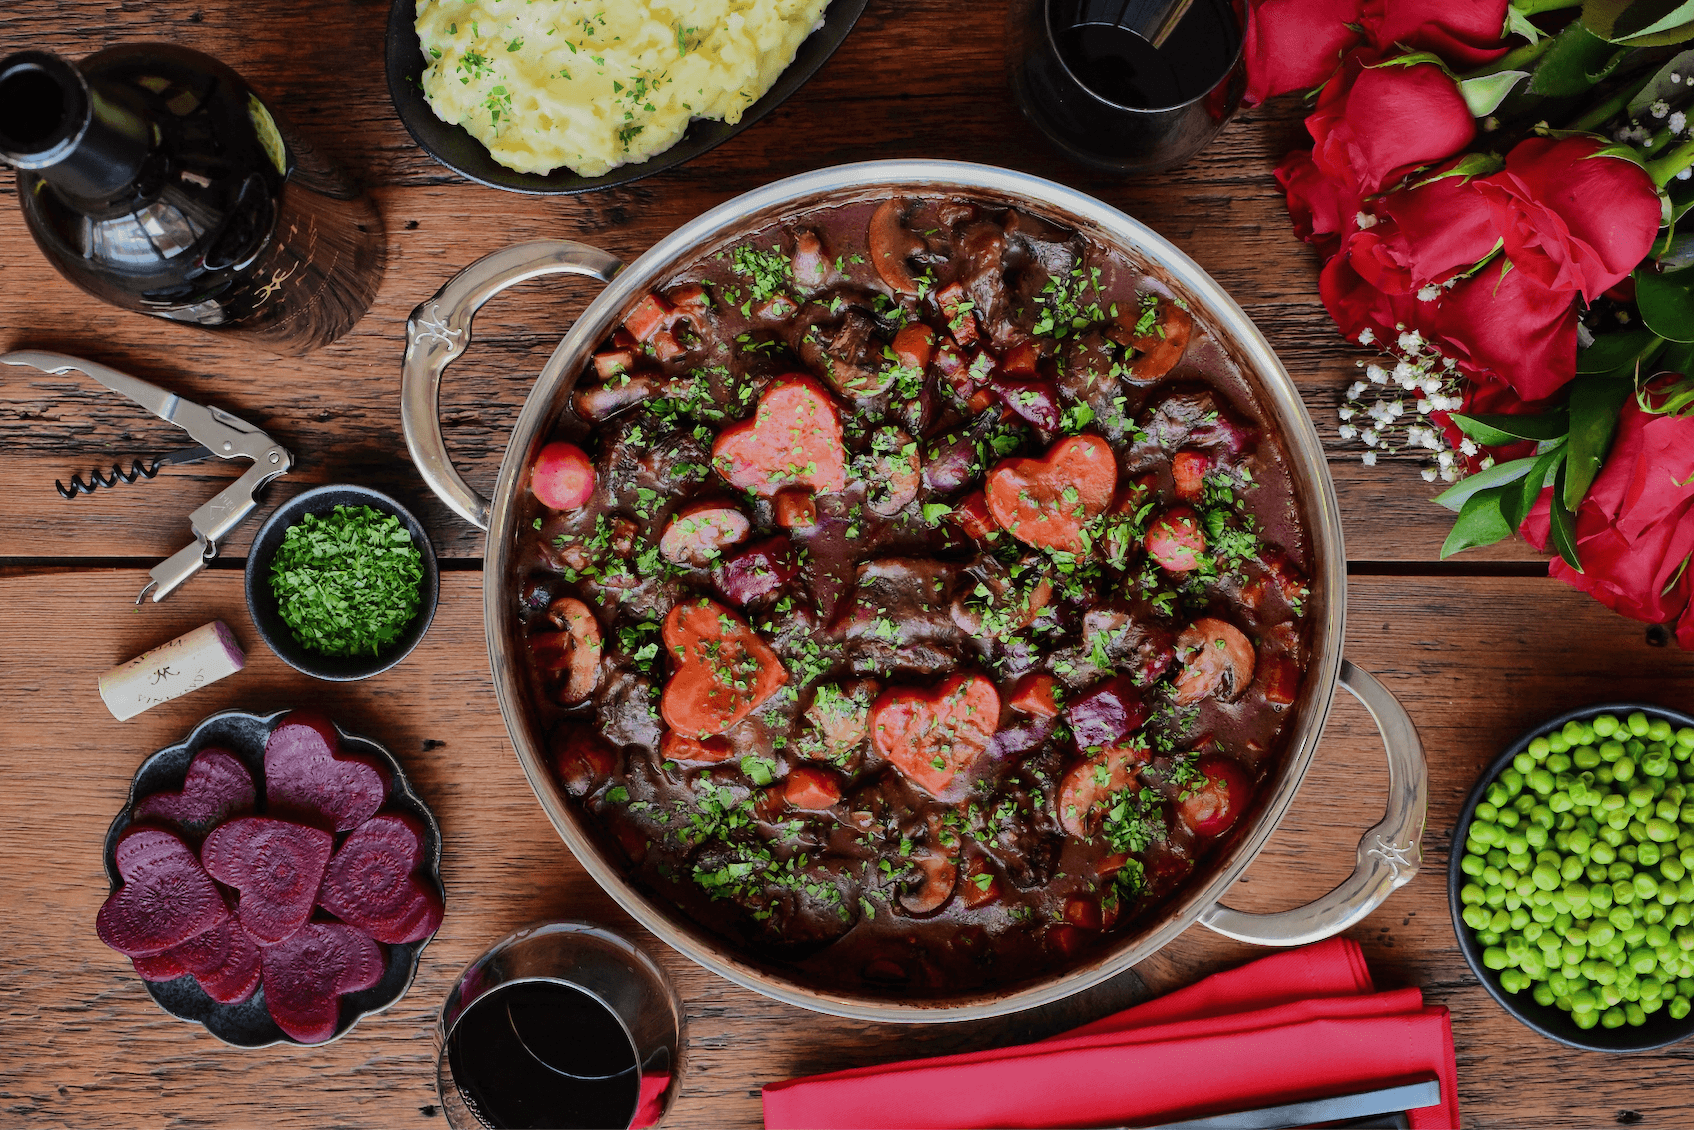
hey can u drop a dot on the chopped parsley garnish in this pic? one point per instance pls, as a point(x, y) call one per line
point(348, 582)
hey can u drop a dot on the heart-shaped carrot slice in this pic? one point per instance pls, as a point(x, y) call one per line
point(792, 440)
point(932, 736)
point(1045, 502)
point(723, 670)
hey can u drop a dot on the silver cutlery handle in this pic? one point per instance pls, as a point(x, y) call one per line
point(440, 329)
point(1388, 855)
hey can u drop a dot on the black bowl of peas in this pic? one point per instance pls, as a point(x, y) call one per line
point(1571, 882)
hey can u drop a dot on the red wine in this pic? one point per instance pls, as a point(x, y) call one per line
point(544, 1054)
point(1120, 66)
point(155, 179)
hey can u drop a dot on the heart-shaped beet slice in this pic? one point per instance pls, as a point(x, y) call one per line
point(1045, 502)
point(306, 976)
point(932, 736)
point(792, 440)
point(217, 787)
point(160, 967)
point(722, 669)
point(166, 898)
point(309, 781)
point(276, 865)
point(372, 882)
point(225, 960)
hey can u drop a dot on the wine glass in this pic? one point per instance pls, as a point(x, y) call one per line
point(1127, 85)
point(560, 1025)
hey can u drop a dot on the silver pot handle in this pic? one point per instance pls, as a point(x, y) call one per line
point(1389, 853)
point(440, 329)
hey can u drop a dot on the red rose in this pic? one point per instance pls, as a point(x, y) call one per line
point(1465, 33)
point(1295, 44)
point(1324, 211)
point(1375, 121)
point(1511, 326)
point(1358, 306)
point(1635, 530)
point(1424, 234)
point(1573, 220)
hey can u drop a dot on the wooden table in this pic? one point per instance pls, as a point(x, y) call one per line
point(1478, 649)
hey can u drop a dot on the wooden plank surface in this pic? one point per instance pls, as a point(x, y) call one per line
point(1475, 661)
point(321, 66)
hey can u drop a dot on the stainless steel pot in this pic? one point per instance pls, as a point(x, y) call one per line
point(440, 329)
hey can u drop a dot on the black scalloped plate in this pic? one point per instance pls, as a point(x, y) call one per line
point(1660, 1030)
point(248, 1024)
point(468, 157)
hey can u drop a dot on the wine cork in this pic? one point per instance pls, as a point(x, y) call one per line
point(171, 670)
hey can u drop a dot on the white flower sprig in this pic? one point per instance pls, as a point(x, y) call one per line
point(1388, 410)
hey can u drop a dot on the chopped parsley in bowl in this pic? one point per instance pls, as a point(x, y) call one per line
point(342, 582)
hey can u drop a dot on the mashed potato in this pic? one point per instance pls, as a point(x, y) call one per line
point(594, 84)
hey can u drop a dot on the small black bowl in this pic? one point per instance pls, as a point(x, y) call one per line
point(261, 603)
point(458, 150)
point(248, 1023)
point(1660, 1030)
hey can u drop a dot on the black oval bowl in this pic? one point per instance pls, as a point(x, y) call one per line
point(458, 150)
point(1660, 1030)
point(248, 1024)
point(261, 602)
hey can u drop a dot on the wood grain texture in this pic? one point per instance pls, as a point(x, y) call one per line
point(321, 66)
point(1475, 661)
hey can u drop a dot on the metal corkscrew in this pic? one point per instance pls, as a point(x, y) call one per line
point(218, 433)
point(137, 470)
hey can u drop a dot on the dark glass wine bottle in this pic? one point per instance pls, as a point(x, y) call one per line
point(155, 179)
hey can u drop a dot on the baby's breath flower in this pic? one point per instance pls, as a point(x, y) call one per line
point(1377, 412)
point(1677, 122)
point(1369, 458)
point(1429, 294)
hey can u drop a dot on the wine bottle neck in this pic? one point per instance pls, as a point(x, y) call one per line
point(53, 123)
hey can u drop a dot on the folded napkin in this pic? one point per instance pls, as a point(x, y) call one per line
point(1300, 1024)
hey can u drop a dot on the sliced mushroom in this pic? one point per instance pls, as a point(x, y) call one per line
point(891, 244)
point(1087, 790)
point(1217, 660)
point(573, 652)
point(595, 403)
point(698, 533)
point(1159, 347)
point(839, 714)
point(937, 876)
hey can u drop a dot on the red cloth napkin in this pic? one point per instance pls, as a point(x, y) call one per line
point(1300, 1024)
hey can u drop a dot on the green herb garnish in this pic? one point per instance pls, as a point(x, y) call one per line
point(347, 583)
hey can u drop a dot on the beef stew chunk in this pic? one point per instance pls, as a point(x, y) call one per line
point(939, 604)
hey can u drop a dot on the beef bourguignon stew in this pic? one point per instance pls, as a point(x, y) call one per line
point(917, 595)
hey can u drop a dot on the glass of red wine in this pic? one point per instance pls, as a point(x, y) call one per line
point(1127, 85)
point(561, 1025)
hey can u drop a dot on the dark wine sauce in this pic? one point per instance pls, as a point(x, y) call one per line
point(544, 1054)
point(1120, 66)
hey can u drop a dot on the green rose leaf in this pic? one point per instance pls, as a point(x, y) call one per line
point(1563, 524)
point(1481, 521)
point(1595, 402)
point(1455, 497)
point(1667, 303)
point(1639, 23)
point(1611, 352)
point(1577, 60)
point(1497, 430)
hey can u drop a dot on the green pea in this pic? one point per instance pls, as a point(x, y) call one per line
point(1634, 1015)
point(1647, 854)
point(1651, 989)
point(1538, 748)
point(1579, 843)
point(1624, 770)
point(1582, 1001)
point(1650, 1005)
point(1637, 723)
point(1646, 886)
point(1585, 758)
point(1524, 763)
point(1546, 877)
point(1500, 922)
point(1656, 764)
point(1472, 865)
point(1604, 775)
point(1620, 918)
point(1558, 743)
point(1604, 725)
point(1541, 781)
point(1659, 730)
point(1543, 994)
point(1513, 780)
point(1509, 818)
point(1602, 853)
point(1612, 1018)
point(1586, 1020)
point(1601, 933)
point(1535, 837)
point(1681, 914)
point(1685, 737)
point(1643, 961)
point(1494, 957)
point(1680, 1005)
point(1610, 995)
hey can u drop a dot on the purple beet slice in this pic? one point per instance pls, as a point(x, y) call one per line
point(372, 882)
point(217, 787)
point(166, 898)
point(276, 865)
point(161, 966)
point(306, 976)
point(224, 960)
point(308, 780)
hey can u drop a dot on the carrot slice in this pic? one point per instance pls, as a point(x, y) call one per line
point(680, 747)
point(1036, 694)
point(793, 439)
point(650, 315)
point(914, 345)
point(971, 515)
point(932, 736)
point(724, 671)
point(1045, 502)
point(1177, 540)
point(1188, 469)
point(811, 788)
